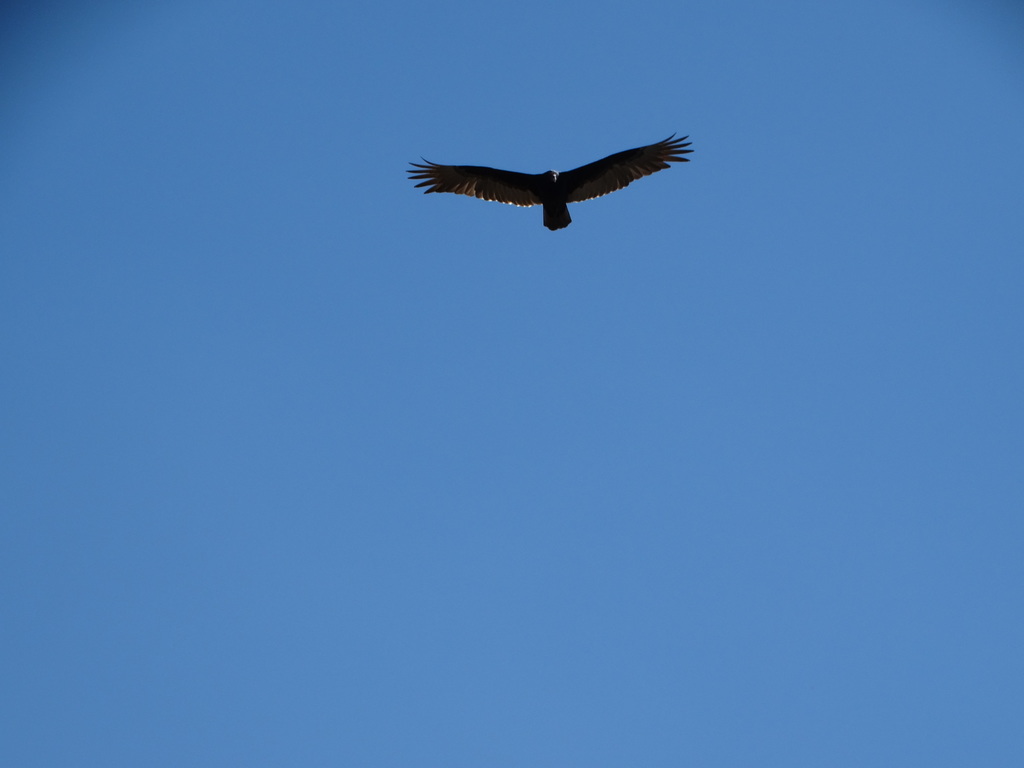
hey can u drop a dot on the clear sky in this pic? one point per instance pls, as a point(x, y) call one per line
point(301, 467)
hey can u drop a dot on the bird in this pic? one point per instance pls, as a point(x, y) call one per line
point(552, 190)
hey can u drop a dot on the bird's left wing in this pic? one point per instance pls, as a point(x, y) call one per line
point(616, 171)
point(476, 181)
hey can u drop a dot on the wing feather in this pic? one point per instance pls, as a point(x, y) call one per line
point(476, 181)
point(616, 171)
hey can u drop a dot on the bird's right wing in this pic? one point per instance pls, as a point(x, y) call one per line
point(476, 181)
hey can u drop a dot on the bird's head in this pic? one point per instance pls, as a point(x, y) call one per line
point(553, 175)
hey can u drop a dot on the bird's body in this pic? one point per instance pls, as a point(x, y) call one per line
point(552, 190)
point(554, 194)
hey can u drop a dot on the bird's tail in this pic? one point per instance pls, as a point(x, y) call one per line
point(556, 216)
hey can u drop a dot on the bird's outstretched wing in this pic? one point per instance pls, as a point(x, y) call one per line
point(476, 181)
point(616, 171)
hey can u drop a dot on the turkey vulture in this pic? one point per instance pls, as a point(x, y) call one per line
point(552, 189)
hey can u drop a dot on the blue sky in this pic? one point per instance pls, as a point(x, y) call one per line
point(301, 467)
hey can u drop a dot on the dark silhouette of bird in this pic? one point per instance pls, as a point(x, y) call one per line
point(553, 190)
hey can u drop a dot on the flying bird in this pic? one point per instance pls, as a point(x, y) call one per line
point(553, 190)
